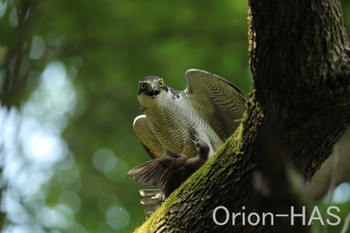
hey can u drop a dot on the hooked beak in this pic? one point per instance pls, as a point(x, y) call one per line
point(148, 89)
point(153, 91)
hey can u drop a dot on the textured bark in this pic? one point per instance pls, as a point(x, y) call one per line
point(300, 67)
point(300, 106)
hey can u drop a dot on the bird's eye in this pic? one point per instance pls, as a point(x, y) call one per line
point(161, 83)
point(142, 85)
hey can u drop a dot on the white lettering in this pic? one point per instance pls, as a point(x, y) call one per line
point(272, 217)
point(226, 213)
point(257, 219)
point(234, 215)
point(318, 216)
point(330, 214)
point(293, 215)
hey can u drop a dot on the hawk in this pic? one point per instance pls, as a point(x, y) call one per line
point(208, 108)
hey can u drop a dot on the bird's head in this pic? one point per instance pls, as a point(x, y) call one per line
point(150, 88)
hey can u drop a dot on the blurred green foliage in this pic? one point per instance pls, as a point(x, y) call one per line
point(106, 47)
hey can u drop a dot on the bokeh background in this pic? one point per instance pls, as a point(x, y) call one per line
point(68, 78)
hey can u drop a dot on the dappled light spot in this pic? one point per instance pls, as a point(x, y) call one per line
point(13, 17)
point(106, 162)
point(18, 229)
point(41, 144)
point(30, 180)
point(117, 217)
point(76, 228)
point(106, 201)
point(342, 193)
point(34, 147)
point(37, 48)
point(60, 216)
point(70, 199)
point(54, 98)
point(15, 211)
point(120, 171)
point(3, 8)
point(70, 176)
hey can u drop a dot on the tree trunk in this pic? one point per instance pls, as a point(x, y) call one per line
point(300, 106)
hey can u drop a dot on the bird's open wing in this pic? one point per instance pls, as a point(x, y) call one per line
point(217, 100)
point(147, 138)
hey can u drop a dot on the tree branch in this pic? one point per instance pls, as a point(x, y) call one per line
point(300, 47)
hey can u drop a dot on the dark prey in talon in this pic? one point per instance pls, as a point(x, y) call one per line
point(171, 170)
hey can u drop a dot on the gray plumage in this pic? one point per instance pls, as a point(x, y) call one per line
point(208, 107)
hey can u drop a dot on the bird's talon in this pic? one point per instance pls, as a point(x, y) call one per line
point(150, 192)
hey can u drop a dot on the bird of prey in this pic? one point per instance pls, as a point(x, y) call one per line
point(209, 107)
point(168, 172)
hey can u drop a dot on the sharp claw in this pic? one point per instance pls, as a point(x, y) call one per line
point(151, 201)
point(156, 196)
point(157, 199)
point(150, 192)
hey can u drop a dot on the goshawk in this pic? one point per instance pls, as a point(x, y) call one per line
point(208, 108)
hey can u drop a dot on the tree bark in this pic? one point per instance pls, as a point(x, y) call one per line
point(299, 107)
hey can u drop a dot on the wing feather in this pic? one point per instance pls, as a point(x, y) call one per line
point(147, 138)
point(217, 100)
